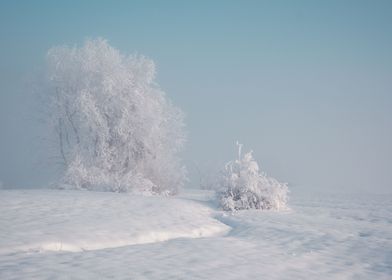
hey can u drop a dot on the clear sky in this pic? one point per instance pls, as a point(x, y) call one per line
point(307, 85)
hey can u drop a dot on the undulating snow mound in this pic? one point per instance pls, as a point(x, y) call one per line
point(322, 237)
point(51, 220)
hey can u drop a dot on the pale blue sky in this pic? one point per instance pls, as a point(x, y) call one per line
point(306, 84)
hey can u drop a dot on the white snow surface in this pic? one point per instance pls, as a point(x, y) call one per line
point(53, 234)
point(74, 221)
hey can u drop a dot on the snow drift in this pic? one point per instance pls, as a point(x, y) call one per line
point(322, 237)
point(52, 220)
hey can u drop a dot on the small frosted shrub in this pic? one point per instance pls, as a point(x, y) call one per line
point(243, 186)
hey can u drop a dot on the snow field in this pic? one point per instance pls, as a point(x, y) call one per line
point(321, 237)
point(77, 221)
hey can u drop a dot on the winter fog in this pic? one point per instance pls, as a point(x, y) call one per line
point(195, 140)
point(306, 86)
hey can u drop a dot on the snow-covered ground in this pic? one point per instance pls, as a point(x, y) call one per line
point(47, 234)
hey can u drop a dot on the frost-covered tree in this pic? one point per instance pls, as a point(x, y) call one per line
point(243, 186)
point(114, 127)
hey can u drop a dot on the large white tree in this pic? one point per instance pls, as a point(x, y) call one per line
point(115, 129)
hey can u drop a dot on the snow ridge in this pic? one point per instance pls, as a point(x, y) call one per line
point(76, 221)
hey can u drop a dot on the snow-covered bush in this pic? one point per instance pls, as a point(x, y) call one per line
point(243, 186)
point(114, 128)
